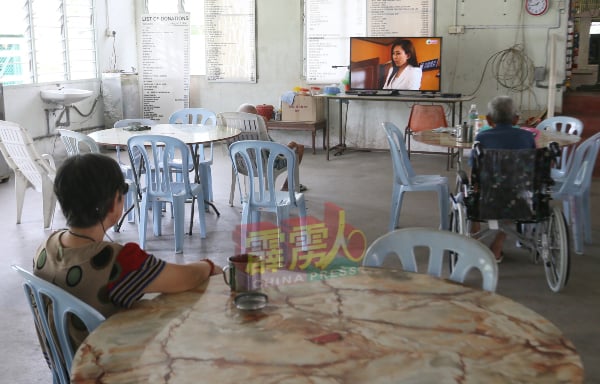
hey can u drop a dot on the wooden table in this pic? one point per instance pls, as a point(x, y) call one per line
point(367, 325)
point(445, 139)
point(312, 126)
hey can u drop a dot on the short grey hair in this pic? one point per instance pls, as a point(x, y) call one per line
point(248, 108)
point(501, 110)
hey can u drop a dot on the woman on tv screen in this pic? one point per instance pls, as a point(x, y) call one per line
point(404, 73)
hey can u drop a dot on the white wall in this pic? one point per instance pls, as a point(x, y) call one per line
point(490, 27)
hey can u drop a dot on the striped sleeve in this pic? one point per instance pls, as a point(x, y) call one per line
point(136, 269)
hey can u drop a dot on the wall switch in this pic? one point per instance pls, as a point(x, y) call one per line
point(454, 29)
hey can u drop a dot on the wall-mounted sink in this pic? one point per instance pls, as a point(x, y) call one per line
point(64, 96)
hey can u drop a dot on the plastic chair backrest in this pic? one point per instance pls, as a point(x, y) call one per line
point(74, 140)
point(264, 172)
point(403, 170)
point(21, 155)
point(53, 326)
point(403, 243)
point(193, 116)
point(253, 126)
point(579, 175)
point(566, 124)
point(162, 149)
point(426, 117)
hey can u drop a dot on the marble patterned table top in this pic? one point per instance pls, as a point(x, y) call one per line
point(369, 326)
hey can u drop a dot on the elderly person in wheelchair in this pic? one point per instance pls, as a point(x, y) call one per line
point(502, 116)
point(510, 184)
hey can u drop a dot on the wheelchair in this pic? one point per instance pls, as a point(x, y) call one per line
point(510, 190)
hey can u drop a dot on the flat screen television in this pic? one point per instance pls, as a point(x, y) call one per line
point(376, 64)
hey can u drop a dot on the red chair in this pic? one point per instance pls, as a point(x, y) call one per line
point(426, 118)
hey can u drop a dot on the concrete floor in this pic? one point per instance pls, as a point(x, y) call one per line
point(358, 182)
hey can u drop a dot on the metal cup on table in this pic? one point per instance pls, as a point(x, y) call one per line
point(243, 274)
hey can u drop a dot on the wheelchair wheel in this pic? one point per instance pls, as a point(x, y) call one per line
point(555, 251)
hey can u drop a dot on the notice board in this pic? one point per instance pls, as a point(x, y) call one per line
point(330, 23)
point(230, 40)
point(165, 64)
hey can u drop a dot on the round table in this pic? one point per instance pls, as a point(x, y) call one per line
point(188, 133)
point(447, 140)
point(361, 325)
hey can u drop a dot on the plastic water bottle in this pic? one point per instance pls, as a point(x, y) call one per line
point(473, 117)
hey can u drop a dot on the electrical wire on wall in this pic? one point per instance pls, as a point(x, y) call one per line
point(511, 68)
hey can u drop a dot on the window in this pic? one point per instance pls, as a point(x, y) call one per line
point(46, 41)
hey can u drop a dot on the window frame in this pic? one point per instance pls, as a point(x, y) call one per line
point(37, 71)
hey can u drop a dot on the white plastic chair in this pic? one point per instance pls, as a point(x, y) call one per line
point(469, 253)
point(74, 141)
point(565, 124)
point(259, 159)
point(253, 127)
point(206, 117)
point(32, 170)
point(405, 179)
point(158, 187)
point(52, 322)
point(574, 191)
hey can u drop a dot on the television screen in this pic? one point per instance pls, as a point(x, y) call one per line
point(395, 64)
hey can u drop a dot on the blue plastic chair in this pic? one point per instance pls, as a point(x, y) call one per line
point(158, 187)
point(205, 117)
point(565, 124)
point(53, 327)
point(469, 253)
point(74, 141)
point(405, 179)
point(574, 191)
point(259, 159)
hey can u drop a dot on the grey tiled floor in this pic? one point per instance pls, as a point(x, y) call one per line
point(358, 182)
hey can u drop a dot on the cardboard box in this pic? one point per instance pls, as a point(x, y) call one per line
point(304, 108)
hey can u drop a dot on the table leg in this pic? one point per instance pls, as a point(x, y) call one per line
point(197, 179)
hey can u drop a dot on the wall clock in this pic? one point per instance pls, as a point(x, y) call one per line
point(536, 7)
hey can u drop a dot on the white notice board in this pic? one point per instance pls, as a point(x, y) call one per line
point(330, 23)
point(165, 64)
point(230, 40)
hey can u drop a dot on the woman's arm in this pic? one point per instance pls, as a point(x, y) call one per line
point(182, 277)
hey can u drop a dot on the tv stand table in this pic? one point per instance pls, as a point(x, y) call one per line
point(343, 98)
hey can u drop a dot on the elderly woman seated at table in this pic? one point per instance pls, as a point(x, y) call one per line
point(103, 273)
